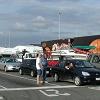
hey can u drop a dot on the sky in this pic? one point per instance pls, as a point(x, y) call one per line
point(25, 22)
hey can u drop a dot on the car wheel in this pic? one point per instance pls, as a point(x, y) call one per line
point(77, 81)
point(56, 77)
point(32, 73)
point(5, 69)
point(21, 72)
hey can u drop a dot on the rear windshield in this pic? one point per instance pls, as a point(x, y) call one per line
point(29, 61)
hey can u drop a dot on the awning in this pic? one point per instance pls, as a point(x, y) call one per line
point(85, 47)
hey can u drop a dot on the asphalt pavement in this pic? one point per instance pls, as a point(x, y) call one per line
point(16, 87)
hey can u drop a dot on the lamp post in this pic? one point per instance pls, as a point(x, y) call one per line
point(9, 39)
point(59, 25)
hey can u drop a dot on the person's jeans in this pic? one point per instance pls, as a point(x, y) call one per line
point(44, 74)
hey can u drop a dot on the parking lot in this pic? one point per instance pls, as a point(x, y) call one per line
point(16, 87)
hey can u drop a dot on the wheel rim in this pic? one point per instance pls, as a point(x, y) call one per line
point(32, 73)
point(20, 71)
point(56, 77)
point(5, 69)
point(77, 81)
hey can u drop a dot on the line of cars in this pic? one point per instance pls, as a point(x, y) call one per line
point(82, 71)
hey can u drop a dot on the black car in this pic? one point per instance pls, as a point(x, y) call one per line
point(81, 72)
point(28, 66)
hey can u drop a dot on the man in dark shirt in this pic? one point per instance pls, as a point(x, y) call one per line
point(44, 66)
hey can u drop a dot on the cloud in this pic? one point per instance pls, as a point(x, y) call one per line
point(20, 25)
point(1, 33)
point(40, 22)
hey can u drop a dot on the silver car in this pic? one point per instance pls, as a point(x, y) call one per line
point(9, 64)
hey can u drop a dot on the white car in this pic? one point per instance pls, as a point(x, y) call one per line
point(9, 64)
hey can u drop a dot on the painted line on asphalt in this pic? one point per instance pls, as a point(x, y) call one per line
point(25, 78)
point(39, 88)
point(3, 87)
point(17, 76)
point(53, 93)
point(95, 88)
point(1, 98)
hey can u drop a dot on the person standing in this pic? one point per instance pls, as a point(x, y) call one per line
point(39, 69)
point(44, 67)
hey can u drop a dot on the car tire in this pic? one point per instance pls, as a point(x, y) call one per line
point(32, 73)
point(5, 69)
point(21, 72)
point(77, 81)
point(56, 77)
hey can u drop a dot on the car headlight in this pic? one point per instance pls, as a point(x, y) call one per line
point(85, 74)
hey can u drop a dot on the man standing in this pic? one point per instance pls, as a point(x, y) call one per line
point(44, 63)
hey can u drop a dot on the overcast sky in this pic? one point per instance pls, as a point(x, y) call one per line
point(32, 21)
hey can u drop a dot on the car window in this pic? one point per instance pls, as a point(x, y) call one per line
point(87, 64)
point(83, 64)
point(89, 58)
point(11, 60)
point(29, 62)
point(96, 59)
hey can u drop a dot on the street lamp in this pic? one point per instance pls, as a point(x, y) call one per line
point(9, 39)
point(59, 24)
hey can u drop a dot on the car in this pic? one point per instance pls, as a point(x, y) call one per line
point(28, 66)
point(94, 59)
point(9, 64)
point(81, 72)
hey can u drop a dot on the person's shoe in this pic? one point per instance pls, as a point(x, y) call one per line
point(45, 81)
point(41, 82)
point(39, 85)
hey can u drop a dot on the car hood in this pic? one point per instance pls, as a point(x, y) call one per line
point(13, 64)
point(91, 70)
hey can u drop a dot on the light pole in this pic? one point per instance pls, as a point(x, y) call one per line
point(59, 24)
point(9, 39)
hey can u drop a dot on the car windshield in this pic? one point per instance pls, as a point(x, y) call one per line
point(11, 60)
point(83, 64)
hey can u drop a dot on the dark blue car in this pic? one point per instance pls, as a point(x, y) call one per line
point(81, 72)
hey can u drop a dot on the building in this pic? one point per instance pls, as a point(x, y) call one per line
point(86, 43)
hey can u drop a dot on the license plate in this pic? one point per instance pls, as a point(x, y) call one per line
point(47, 72)
point(98, 79)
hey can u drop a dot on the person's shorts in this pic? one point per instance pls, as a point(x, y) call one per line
point(39, 72)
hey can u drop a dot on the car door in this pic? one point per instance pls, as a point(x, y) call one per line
point(65, 74)
point(69, 74)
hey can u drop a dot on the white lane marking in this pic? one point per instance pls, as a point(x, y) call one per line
point(52, 84)
point(55, 93)
point(24, 78)
point(1, 98)
point(38, 88)
point(3, 87)
point(17, 76)
point(95, 88)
